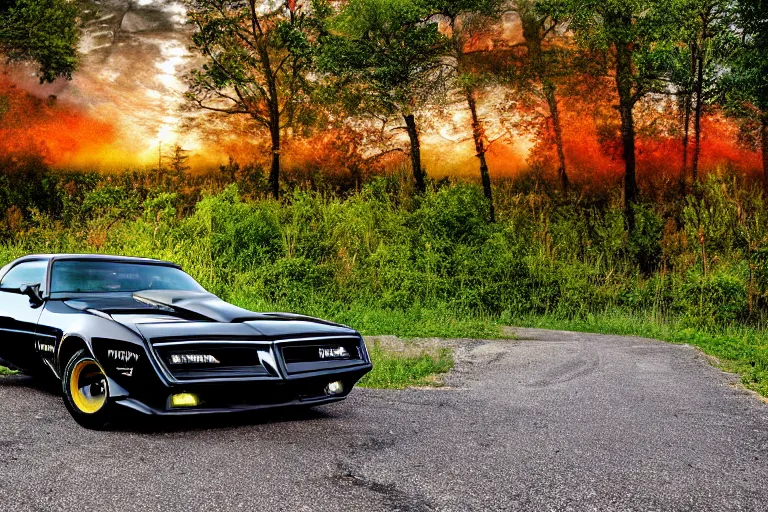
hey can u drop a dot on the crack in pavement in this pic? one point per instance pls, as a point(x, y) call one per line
point(395, 498)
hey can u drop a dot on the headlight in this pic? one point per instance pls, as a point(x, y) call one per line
point(334, 388)
point(184, 400)
point(193, 359)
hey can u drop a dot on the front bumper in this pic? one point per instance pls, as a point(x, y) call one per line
point(240, 396)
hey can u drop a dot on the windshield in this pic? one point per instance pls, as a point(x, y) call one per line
point(108, 276)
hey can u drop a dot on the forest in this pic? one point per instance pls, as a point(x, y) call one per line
point(638, 207)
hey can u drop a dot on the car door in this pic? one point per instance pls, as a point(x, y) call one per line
point(18, 318)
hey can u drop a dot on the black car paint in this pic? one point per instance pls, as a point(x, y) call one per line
point(18, 323)
point(122, 330)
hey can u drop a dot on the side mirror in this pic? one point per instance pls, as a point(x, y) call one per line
point(33, 292)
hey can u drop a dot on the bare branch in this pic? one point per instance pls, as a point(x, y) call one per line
point(200, 103)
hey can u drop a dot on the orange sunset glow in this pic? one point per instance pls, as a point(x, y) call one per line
point(125, 109)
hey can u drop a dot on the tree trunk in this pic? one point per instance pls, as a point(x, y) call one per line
point(478, 133)
point(274, 131)
point(624, 81)
point(534, 38)
point(413, 135)
point(272, 97)
point(697, 116)
point(628, 144)
point(688, 108)
point(274, 172)
point(765, 153)
point(554, 111)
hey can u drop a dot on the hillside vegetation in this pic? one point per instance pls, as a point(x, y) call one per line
point(389, 262)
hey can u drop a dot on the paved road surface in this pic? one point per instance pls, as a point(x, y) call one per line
point(553, 421)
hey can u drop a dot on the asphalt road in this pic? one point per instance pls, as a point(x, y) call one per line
point(553, 421)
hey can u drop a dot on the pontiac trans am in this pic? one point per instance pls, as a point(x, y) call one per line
point(138, 334)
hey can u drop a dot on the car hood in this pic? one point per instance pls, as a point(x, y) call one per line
point(156, 313)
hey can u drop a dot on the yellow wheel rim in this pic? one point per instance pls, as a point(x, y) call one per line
point(88, 387)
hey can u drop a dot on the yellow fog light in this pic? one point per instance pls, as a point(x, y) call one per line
point(334, 388)
point(184, 400)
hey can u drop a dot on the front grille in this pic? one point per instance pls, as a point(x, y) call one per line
point(234, 360)
point(315, 355)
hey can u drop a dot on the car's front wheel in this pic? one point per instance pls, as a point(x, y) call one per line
point(86, 391)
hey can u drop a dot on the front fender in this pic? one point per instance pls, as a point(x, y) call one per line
point(128, 364)
point(83, 332)
point(126, 374)
point(121, 352)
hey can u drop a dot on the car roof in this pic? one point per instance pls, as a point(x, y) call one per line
point(94, 257)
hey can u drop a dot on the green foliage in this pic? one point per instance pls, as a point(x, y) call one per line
point(44, 32)
point(706, 33)
point(468, 20)
point(638, 39)
point(255, 59)
point(649, 30)
point(384, 56)
point(645, 239)
point(744, 86)
point(454, 9)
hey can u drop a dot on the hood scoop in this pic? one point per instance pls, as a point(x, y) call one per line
point(197, 304)
point(115, 305)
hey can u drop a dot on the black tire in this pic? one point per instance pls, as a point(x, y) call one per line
point(86, 392)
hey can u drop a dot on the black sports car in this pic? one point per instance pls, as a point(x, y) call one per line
point(143, 335)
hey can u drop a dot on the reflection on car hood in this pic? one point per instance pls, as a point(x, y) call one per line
point(157, 313)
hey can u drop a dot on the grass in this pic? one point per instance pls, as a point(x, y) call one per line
point(413, 322)
point(6, 371)
point(410, 366)
point(418, 323)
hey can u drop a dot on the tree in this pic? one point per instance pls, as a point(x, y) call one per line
point(636, 36)
point(385, 59)
point(467, 20)
point(257, 56)
point(178, 165)
point(42, 32)
point(543, 68)
point(745, 83)
point(682, 75)
point(705, 23)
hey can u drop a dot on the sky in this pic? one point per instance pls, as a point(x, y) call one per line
point(134, 56)
point(125, 108)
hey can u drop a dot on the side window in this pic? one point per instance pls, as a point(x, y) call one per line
point(30, 272)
